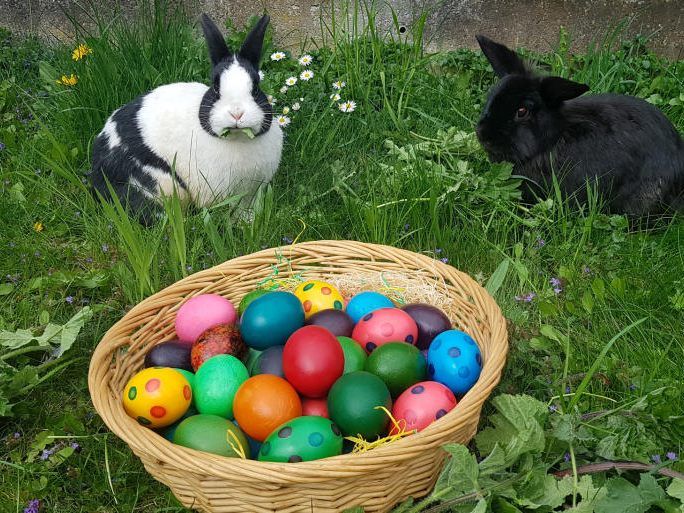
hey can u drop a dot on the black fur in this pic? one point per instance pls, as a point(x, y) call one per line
point(127, 160)
point(622, 144)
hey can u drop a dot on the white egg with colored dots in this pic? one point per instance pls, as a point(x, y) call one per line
point(454, 359)
point(157, 397)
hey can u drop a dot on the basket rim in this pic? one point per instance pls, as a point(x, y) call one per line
point(145, 441)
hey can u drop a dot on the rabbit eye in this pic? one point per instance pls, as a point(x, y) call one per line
point(522, 112)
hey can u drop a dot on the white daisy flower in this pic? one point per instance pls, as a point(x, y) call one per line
point(283, 89)
point(283, 120)
point(261, 75)
point(271, 100)
point(335, 97)
point(286, 110)
point(305, 60)
point(301, 99)
point(296, 106)
point(278, 56)
point(291, 81)
point(306, 75)
point(339, 84)
point(347, 106)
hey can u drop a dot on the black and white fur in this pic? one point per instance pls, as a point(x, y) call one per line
point(624, 145)
point(169, 137)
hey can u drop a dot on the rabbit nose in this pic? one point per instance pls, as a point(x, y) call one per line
point(237, 115)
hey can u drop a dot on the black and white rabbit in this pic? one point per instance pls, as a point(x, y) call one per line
point(623, 145)
point(190, 137)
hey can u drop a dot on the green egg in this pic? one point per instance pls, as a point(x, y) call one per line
point(398, 364)
point(252, 361)
point(210, 433)
point(305, 438)
point(169, 431)
point(248, 298)
point(353, 403)
point(216, 383)
point(354, 355)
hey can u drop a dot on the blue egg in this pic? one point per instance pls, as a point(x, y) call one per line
point(366, 302)
point(269, 320)
point(454, 359)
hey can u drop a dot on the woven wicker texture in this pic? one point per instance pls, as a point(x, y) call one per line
point(375, 480)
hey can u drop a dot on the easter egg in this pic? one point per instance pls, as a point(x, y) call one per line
point(352, 403)
point(216, 384)
point(263, 403)
point(248, 298)
point(431, 321)
point(188, 375)
point(422, 404)
point(336, 322)
point(318, 295)
point(169, 431)
point(455, 361)
point(312, 360)
point(302, 439)
point(354, 355)
point(251, 360)
point(201, 313)
point(172, 353)
point(221, 339)
point(366, 302)
point(318, 407)
point(270, 361)
point(385, 325)
point(157, 397)
point(211, 433)
point(398, 364)
point(270, 319)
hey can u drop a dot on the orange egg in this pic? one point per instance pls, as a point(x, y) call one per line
point(263, 403)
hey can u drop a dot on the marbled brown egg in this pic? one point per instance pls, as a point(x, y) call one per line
point(221, 339)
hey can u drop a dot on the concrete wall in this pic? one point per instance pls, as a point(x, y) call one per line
point(452, 24)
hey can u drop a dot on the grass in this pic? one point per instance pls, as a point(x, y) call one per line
point(430, 189)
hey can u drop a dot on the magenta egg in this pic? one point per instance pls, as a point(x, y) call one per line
point(202, 312)
point(383, 326)
point(419, 406)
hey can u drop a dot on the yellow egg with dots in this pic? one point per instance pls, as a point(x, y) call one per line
point(157, 397)
point(318, 295)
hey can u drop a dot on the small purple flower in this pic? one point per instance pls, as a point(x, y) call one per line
point(188, 268)
point(555, 282)
point(2, 146)
point(568, 389)
point(672, 456)
point(105, 248)
point(407, 227)
point(75, 446)
point(526, 298)
point(540, 243)
point(438, 251)
point(444, 260)
point(656, 459)
point(586, 270)
point(566, 457)
point(33, 506)
point(69, 299)
point(89, 260)
point(287, 240)
point(632, 387)
point(45, 455)
point(36, 254)
point(553, 408)
point(16, 435)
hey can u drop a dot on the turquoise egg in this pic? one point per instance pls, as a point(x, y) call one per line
point(305, 438)
point(366, 302)
point(269, 320)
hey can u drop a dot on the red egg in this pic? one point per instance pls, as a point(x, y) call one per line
point(317, 407)
point(312, 361)
point(419, 406)
point(385, 325)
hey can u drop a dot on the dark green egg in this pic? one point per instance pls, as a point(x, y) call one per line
point(305, 438)
point(248, 298)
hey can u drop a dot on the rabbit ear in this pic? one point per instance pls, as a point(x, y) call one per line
point(556, 90)
point(504, 60)
point(218, 50)
point(251, 48)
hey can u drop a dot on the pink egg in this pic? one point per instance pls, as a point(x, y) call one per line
point(201, 313)
point(419, 406)
point(383, 326)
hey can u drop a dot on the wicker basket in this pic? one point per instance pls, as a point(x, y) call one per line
point(375, 480)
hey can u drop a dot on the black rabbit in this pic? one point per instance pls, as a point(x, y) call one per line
point(622, 144)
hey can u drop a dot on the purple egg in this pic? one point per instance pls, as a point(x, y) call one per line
point(172, 353)
point(270, 361)
point(336, 322)
point(431, 322)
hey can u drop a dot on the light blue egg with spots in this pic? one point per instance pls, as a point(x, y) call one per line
point(454, 359)
point(366, 302)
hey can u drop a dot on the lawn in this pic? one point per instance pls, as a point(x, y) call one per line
point(595, 310)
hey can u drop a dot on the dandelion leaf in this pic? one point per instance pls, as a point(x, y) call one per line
point(623, 497)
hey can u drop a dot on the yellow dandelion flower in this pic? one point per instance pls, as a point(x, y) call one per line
point(38, 226)
point(71, 80)
point(80, 52)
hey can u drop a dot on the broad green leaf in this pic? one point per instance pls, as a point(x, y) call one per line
point(568, 428)
point(599, 288)
point(552, 333)
point(542, 489)
point(588, 495)
point(623, 497)
point(464, 472)
point(588, 301)
point(497, 278)
point(64, 335)
point(6, 288)
point(676, 489)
